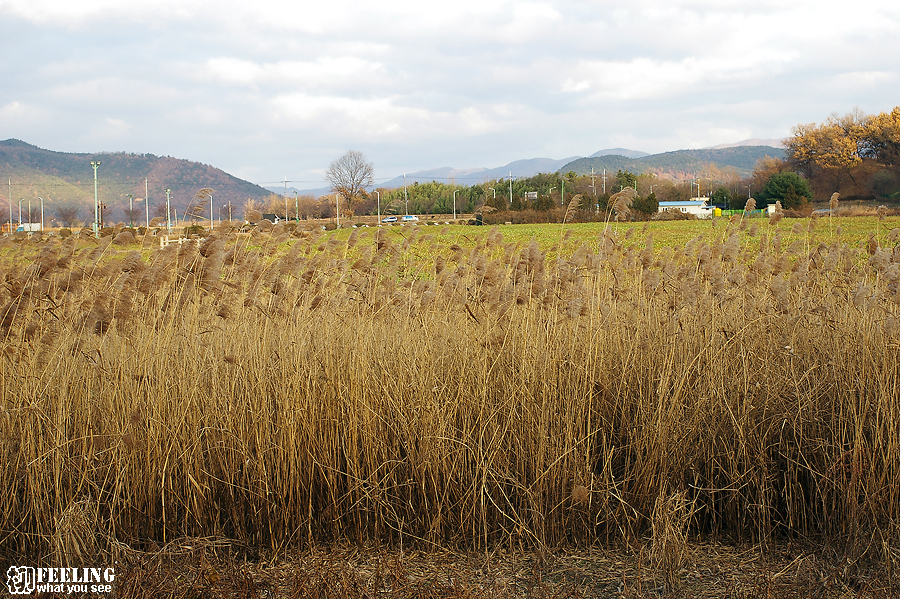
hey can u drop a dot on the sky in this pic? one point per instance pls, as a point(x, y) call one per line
point(271, 90)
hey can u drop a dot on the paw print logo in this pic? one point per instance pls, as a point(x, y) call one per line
point(20, 580)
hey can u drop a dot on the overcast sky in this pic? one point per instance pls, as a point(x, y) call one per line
point(267, 90)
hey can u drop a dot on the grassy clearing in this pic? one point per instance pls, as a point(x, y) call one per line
point(455, 387)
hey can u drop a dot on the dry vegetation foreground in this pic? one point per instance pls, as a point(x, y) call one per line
point(519, 393)
point(347, 572)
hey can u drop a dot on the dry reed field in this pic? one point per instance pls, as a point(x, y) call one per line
point(419, 389)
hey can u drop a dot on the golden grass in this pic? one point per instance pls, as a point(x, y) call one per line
point(395, 387)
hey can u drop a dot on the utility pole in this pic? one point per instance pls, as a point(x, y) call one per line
point(9, 197)
point(147, 201)
point(593, 187)
point(510, 188)
point(168, 212)
point(95, 164)
point(604, 181)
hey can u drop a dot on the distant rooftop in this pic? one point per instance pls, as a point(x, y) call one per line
point(700, 202)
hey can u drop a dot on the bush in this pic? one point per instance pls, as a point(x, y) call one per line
point(330, 226)
point(65, 233)
point(530, 217)
point(124, 238)
point(801, 211)
point(673, 215)
point(789, 188)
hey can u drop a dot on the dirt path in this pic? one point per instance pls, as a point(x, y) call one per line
point(343, 572)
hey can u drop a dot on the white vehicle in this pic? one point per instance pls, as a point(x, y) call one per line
point(410, 218)
point(389, 219)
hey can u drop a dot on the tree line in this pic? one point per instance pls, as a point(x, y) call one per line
point(856, 155)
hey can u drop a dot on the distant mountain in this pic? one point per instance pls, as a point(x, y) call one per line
point(67, 179)
point(619, 152)
point(518, 168)
point(772, 143)
point(442, 174)
point(682, 164)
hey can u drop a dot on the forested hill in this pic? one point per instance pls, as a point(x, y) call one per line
point(682, 164)
point(67, 179)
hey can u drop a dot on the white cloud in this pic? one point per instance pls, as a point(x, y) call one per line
point(74, 14)
point(377, 119)
point(111, 129)
point(483, 81)
point(17, 111)
point(341, 72)
point(570, 85)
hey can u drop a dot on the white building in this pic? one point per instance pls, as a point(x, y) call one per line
point(699, 207)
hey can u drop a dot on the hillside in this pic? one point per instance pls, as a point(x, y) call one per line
point(681, 164)
point(67, 179)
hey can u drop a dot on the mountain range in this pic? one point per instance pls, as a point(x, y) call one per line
point(67, 179)
point(739, 158)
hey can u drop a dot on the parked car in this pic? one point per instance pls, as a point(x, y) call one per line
point(389, 219)
point(410, 218)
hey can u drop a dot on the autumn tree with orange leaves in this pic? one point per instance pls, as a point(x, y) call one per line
point(856, 154)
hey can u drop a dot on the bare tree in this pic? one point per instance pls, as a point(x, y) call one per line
point(68, 216)
point(349, 176)
point(34, 215)
point(307, 206)
point(253, 210)
point(133, 214)
point(227, 211)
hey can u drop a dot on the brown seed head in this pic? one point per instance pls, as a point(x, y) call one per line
point(833, 202)
point(580, 494)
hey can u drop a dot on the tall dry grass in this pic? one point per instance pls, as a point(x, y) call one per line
point(399, 388)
